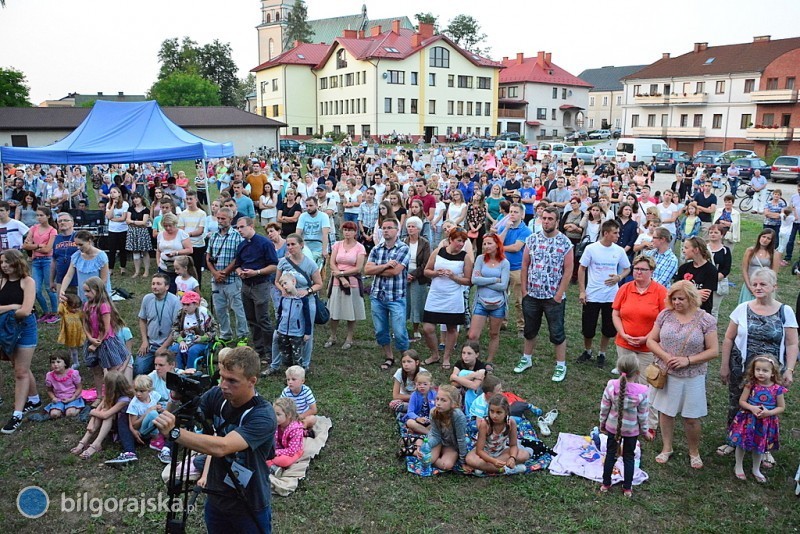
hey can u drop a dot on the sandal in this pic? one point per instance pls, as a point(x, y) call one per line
point(696, 462)
point(663, 457)
point(77, 449)
point(740, 476)
point(489, 368)
point(768, 462)
point(90, 451)
point(604, 488)
point(347, 345)
point(329, 343)
point(446, 366)
point(388, 364)
point(431, 362)
point(725, 450)
point(761, 479)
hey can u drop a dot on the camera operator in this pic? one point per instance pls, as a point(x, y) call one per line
point(244, 425)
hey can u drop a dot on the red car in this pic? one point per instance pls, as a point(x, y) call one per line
point(532, 152)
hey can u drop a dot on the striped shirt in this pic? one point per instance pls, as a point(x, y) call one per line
point(304, 399)
point(368, 215)
point(222, 250)
point(390, 288)
point(634, 412)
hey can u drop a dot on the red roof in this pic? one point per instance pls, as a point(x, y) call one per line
point(568, 106)
point(383, 46)
point(303, 54)
point(533, 123)
point(537, 70)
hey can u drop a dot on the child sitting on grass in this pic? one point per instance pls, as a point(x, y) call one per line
point(420, 404)
point(118, 393)
point(403, 381)
point(143, 410)
point(469, 372)
point(518, 407)
point(447, 438)
point(64, 388)
point(303, 397)
point(496, 449)
point(289, 434)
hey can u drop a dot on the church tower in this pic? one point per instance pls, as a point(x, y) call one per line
point(271, 31)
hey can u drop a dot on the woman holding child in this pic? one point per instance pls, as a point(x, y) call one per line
point(346, 301)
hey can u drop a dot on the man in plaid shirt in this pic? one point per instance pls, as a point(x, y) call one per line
point(666, 262)
point(388, 263)
point(226, 286)
point(367, 217)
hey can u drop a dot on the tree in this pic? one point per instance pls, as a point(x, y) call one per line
point(177, 57)
point(14, 92)
point(182, 89)
point(428, 18)
point(466, 32)
point(243, 88)
point(297, 26)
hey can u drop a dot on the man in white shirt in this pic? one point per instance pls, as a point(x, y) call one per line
point(794, 202)
point(12, 232)
point(379, 187)
point(607, 264)
point(314, 226)
point(193, 220)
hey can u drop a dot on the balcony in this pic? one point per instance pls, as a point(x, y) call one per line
point(775, 96)
point(692, 132)
point(688, 99)
point(770, 134)
point(650, 131)
point(511, 113)
point(651, 100)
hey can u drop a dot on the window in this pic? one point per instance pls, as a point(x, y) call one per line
point(786, 119)
point(591, 123)
point(309, 131)
point(512, 91)
point(295, 131)
point(358, 105)
point(487, 109)
point(716, 121)
point(450, 107)
point(697, 120)
point(634, 120)
point(790, 82)
point(323, 83)
point(553, 114)
point(684, 120)
point(401, 105)
point(337, 130)
point(768, 120)
point(396, 77)
point(432, 107)
point(605, 101)
point(274, 84)
point(484, 82)
point(555, 92)
point(746, 121)
point(432, 79)
point(651, 120)
point(555, 133)
point(664, 120)
point(502, 92)
point(541, 113)
point(358, 78)
point(477, 108)
point(699, 88)
point(348, 79)
point(365, 131)
point(563, 93)
point(275, 110)
point(440, 57)
point(469, 108)
point(749, 85)
point(772, 84)
point(460, 108)
point(364, 104)
point(720, 87)
point(415, 78)
point(619, 100)
point(591, 102)
point(335, 107)
point(414, 105)
point(321, 108)
point(465, 82)
point(334, 82)
point(263, 87)
point(653, 88)
point(637, 90)
point(341, 59)
point(387, 105)
point(351, 129)
point(616, 123)
point(451, 80)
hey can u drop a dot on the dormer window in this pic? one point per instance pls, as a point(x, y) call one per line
point(341, 59)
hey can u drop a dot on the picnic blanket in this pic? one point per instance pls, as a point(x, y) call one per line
point(284, 482)
point(577, 455)
point(525, 431)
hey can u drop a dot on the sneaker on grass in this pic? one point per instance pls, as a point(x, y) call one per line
point(157, 443)
point(524, 364)
point(243, 342)
point(31, 406)
point(165, 456)
point(12, 425)
point(560, 373)
point(123, 458)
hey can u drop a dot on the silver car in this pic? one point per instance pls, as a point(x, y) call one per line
point(786, 168)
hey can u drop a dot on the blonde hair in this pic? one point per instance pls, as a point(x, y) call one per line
point(424, 374)
point(143, 382)
point(689, 289)
point(288, 407)
point(295, 371)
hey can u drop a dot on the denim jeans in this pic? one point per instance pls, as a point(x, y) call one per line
point(628, 453)
point(308, 345)
point(255, 299)
point(790, 244)
point(143, 365)
point(188, 360)
point(227, 298)
point(126, 438)
point(386, 314)
point(148, 429)
point(221, 521)
point(41, 275)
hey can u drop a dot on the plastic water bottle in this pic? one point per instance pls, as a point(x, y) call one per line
point(425, 449)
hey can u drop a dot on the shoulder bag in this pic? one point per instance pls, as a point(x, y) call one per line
point(322, 315)
point(655, 375)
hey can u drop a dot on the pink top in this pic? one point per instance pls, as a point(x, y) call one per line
point(64, 387)
point(346, 259)
point(95, 318)
point(289, 441)
point(634, 411)
point(42, 237)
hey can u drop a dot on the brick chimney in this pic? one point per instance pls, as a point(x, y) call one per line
point(520, 58)
point(416, 40)
point(761, 38)
point(547, 57)
point(540, 59)
point(699, 47)
point(360, 34)
point(425, 30)
point(665, 55)
point(296, 43)
point(396, 26)
point(349, 34)
point(375, 31)
point(505, 58)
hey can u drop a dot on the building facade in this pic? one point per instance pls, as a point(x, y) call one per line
point(538, 99)
point(719, 98)
point(605, 97)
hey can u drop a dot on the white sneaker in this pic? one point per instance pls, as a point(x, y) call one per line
point(560, 373)
point(615, 371)
point(550, 417)
point(523, 365)
point(544, 428)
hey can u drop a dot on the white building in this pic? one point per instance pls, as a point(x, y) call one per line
point(605, 97)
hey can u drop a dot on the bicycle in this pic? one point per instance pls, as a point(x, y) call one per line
point(746, 204)
point(741, 191)
point(719, 187)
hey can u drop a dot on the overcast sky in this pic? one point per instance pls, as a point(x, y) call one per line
point(87, 46)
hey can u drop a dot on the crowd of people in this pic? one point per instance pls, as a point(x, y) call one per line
point(413, 234)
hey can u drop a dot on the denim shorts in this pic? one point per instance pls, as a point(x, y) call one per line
point(29, 333)
point(499, 313)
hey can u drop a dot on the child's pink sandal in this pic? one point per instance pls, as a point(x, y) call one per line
point(77, 449)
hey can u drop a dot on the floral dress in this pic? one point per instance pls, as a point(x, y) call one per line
point(753, 434)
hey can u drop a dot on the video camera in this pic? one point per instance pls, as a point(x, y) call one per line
point(189, 386)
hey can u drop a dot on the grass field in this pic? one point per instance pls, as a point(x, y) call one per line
point(357, 485)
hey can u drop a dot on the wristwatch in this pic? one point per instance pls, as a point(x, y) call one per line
point(174, 434)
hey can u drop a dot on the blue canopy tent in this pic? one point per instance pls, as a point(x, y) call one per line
point(121, 132)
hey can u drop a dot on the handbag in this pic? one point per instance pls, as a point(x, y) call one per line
point(491, 305)
point(472, 234)
point(655, 375)
point(322, 315)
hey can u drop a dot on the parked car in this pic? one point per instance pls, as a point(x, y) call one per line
point(289, 145)
point(713, 153)
point(708, 162)
point(551, 149)
point(532, 152)
point(584, 153)
point(666, 160)
point(748, 165)
point(725, 159)
point(502, 146)
point(616, 133)
point(786, 168)
point(640, 150)
point(477, 144)
point(508, 136)
point(600, 134)
point(578, 135)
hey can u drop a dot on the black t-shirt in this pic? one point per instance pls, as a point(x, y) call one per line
point(703, 277)
point(705, 202)
point(287, 211)
point(479, 365)
point(255, 422)
point(138, 215)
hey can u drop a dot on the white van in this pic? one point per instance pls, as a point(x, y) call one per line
point(639, 150)
point(553, 150)
point(504, 145)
